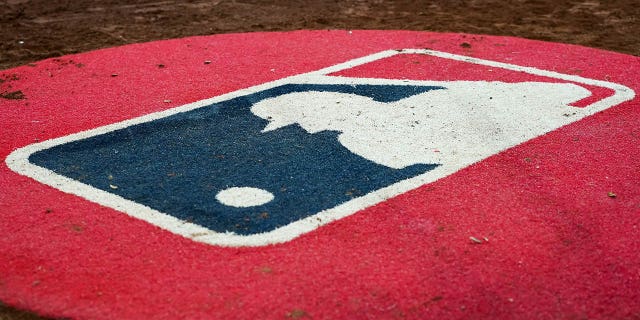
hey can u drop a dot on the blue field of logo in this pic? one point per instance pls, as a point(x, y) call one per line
point(179, 164)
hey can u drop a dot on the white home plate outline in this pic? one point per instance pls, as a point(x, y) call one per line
point(18, 159)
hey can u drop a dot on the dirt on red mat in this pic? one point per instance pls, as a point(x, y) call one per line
point(32, 30)
point(36, 29)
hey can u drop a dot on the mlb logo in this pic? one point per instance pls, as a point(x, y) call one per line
point(266, 164)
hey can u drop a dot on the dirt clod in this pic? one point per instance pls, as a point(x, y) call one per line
point(475, 240)
point(13, 95)
point(297, 314)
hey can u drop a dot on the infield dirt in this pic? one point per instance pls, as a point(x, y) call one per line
point(39, 29)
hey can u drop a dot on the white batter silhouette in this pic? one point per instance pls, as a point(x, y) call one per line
point(468, 119)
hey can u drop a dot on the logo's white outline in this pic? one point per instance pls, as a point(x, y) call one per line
point(18, 160)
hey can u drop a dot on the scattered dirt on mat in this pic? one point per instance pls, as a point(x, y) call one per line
point(38, 29)
point(8, 77)
point(6, 91)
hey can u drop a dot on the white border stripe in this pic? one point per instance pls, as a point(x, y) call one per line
point(18, 160)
